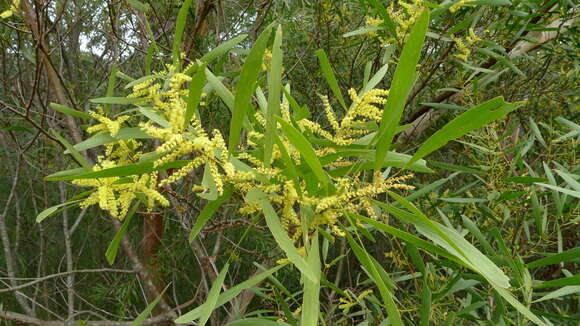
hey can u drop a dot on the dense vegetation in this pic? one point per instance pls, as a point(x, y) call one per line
point(357, 162)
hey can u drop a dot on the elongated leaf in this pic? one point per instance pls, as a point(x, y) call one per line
point(101, 139)
point(124, 76)
point(52, 210)
point(570, 180)
point(291, 168)
point(568, 123)
point(408, 237)
point(449, 239)
point(365, 259)
point(209, 184)
point(228, 295)
point(274, 86)
point(472, 119)
point(311, 300)
point(280, 234)
point(300, 112)
point(305, 148)
point(222, 91)
point(179, 28)
point(140, 80)
point(361, 31)
point(567, 290)
point(154, 116)
point(219, 50)
point(68, 111)
point(78, 157)
point(213, 295)
point(143, 315)
point(246, 86)
point(379, 75)
point(518, 305)
point(403, 80)
point(330, 77)
point(195, 91)
point(113, 248)
point(566, 256)
point(393, 159)
point(425, 304)
point(115, 100)
point(537, 133)
point(207, 212)
point(555, 194)
point(120, 171)
point(430, 187)
point(560, 189)
point(572, 280)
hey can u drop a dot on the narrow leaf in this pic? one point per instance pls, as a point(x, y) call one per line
point(305, 148)
point(228, 295)
point(143, 315)
point(72, 112)
point(403, 81)
point(213, 295)
point(472, 119)
point(330, 77)
point(246, 86)
point(274, 86)
point(113, 248)
point(179, 28)
point(207, 212)
point(280, 235)
point(115, 100)
point(311, 300)
point(52, 210)
point(195, 91)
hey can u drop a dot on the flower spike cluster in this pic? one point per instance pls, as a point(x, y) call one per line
point(163, 98)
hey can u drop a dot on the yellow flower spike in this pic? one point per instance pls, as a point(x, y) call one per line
point(330, 114)
point(217, 178)
point(106, 124)
point(472, 38)
point(285, 109)
point(260, 118)
point(459, 4)
point(464, 51)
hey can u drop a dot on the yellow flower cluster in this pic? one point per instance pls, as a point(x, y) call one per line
point(373, 22)
point(13, 8)
point(163, 96)
point(464, 50)
point(460, 4)
point(363, 109)
point(115, 194)
point(353, 194)
point(404, 15)
point(165, 92)
point(348, 302)
point(106, 125)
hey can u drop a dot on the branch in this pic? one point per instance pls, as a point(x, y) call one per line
point(48, 277)
point(20, 318)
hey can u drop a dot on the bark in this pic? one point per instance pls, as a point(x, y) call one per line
point(144, 273)
point(151, 243)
